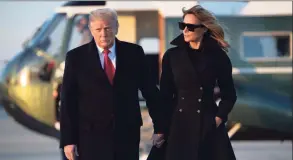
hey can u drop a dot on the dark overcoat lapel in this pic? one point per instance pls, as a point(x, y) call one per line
point(96, 66)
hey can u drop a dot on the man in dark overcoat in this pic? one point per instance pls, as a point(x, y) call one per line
point(100, 112)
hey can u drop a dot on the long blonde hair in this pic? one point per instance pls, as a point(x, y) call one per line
point(210, 22)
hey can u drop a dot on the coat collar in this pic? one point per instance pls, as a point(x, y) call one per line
point(208, 48)
point(208, 43)
point(112, 49)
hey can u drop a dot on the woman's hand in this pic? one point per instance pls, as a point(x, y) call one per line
point(218, 121)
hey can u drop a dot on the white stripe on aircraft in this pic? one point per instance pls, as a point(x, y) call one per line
point(262, 70)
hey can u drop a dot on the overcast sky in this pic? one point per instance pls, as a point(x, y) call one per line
point(20, 20)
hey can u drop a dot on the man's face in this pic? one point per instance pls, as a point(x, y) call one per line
point(103, 32)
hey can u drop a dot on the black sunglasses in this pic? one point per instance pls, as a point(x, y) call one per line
point(190, 27)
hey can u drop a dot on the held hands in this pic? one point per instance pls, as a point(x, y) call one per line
point(70, 152)
point(158, 140)
point(57, 125)
point(218, 121)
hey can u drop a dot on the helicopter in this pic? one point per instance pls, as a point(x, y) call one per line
point(30, 81)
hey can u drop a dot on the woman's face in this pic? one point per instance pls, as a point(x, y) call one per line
point(193, 29)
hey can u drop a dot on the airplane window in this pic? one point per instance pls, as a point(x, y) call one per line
point(52, 43)
point(80, 32)
point(266, 46)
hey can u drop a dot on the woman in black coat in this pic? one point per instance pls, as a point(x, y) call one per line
point(194, 126)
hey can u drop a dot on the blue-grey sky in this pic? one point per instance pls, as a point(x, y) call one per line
point(223, 7)
point(20, 20)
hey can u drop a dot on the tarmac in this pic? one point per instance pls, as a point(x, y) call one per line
point(20, 143)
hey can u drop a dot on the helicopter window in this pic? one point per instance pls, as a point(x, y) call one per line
point(80, 32)
point(266, 45)
point(52, 42)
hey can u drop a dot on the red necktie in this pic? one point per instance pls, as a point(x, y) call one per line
point(108, 66)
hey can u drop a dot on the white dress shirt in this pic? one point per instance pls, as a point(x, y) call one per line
point(112, 55)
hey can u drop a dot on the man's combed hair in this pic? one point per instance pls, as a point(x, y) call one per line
point(107, 14)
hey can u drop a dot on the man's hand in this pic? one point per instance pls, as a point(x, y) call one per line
point(218, 121)
point(57, 125)
point(158, 140)
point(70, 152)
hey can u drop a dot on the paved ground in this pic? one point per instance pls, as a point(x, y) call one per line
point(19, 143)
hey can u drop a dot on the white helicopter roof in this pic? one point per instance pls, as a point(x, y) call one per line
point(267, 8)
point(174, 8)
point(166, 8)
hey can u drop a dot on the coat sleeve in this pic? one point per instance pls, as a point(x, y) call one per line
point(226, 85)
point(167, 92)
point(149, 90)
point(68, 112)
